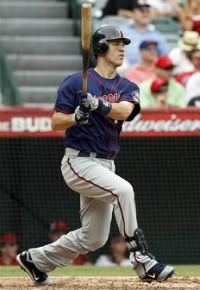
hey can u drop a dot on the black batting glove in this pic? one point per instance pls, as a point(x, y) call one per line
point(83, 101)
point(80, 116)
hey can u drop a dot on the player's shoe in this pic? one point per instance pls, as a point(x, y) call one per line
point(149, 270)
point(39, 278)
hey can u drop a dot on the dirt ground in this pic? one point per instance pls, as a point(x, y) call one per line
point(102, 283)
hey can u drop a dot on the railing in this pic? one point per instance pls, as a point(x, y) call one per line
point(9, 93)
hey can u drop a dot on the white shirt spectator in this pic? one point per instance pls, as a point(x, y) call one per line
point(193, 90)
point(162, 6)
point(180, 60)
point(105, 260)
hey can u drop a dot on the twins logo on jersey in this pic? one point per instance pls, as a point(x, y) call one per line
point(112, 98)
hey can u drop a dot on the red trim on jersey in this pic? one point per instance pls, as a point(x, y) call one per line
point(102, 188)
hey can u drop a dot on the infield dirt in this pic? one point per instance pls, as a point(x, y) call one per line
point(101, 283)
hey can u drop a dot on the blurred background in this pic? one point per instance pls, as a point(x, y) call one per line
point(39, 47)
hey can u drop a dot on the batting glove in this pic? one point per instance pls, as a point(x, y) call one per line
point(83, 101)
point(95, 104)
point(81, 116)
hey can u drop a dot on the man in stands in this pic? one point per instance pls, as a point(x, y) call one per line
point(144, 70)
point(142, 30)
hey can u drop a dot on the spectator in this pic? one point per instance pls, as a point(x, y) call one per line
point(193, 84)
point(164, 7)
point(146, 68)
point(8, 249)
point(175, 92)
point(180, 55)
point(59, 228)
point(142, 30)
point(119, 7)
point(194, 57)
point(189, 15)
point(159, 90)
point(117, 254)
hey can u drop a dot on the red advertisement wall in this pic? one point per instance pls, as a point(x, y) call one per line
point(36, 122)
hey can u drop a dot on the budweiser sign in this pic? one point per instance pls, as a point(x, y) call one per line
point(36, 122)
point(172, 125)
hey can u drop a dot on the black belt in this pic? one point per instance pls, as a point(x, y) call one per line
point(96, 155)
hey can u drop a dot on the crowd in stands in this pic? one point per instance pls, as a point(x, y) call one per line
point(167, 76)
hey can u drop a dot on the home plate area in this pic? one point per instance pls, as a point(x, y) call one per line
point(101, 283)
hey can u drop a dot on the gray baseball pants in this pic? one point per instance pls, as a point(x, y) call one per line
point(101, 191)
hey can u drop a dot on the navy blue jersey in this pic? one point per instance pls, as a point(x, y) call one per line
point(101, 134)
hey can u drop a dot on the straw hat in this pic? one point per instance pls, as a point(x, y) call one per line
point(189, 40)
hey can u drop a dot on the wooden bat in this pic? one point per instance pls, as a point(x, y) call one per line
point(86, 29)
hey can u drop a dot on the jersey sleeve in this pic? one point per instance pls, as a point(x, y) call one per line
point(131, 94)
point(66, 100)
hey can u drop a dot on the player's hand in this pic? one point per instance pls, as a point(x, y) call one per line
point(94, 104)
point(81, 116)
point(88, 101)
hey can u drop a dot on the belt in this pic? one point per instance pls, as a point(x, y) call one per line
point(74, 152)
point(96, 155)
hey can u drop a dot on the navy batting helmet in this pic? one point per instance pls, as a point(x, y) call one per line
point(105, 33)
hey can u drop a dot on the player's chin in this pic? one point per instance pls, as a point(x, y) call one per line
point(119, 62)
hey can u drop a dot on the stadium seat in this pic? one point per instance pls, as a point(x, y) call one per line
point(166, 25)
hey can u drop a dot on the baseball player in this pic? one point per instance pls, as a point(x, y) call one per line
point(92, 124)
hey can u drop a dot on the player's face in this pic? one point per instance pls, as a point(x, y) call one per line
point(115, 53)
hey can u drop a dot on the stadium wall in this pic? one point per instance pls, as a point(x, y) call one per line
point(162, 164)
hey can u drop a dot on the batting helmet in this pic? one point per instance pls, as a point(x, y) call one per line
point(103, 34)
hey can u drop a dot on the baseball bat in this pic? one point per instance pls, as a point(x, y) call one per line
point(86, 29)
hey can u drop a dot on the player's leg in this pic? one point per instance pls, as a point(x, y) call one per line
point(102, 183)
point(95, 218)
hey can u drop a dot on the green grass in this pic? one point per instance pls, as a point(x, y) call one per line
point(181, 270)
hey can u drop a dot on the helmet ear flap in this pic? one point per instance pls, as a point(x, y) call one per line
point(101, 48)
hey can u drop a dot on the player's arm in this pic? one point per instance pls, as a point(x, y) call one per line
point(61, 122)
point(121, 111)
point(124, 111)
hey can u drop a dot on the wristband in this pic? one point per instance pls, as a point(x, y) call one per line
point(104, 107)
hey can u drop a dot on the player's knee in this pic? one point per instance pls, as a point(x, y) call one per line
point(126, 190)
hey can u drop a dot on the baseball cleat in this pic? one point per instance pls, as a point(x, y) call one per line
point(39, 278)
point(148, 269)
point(159, 273)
